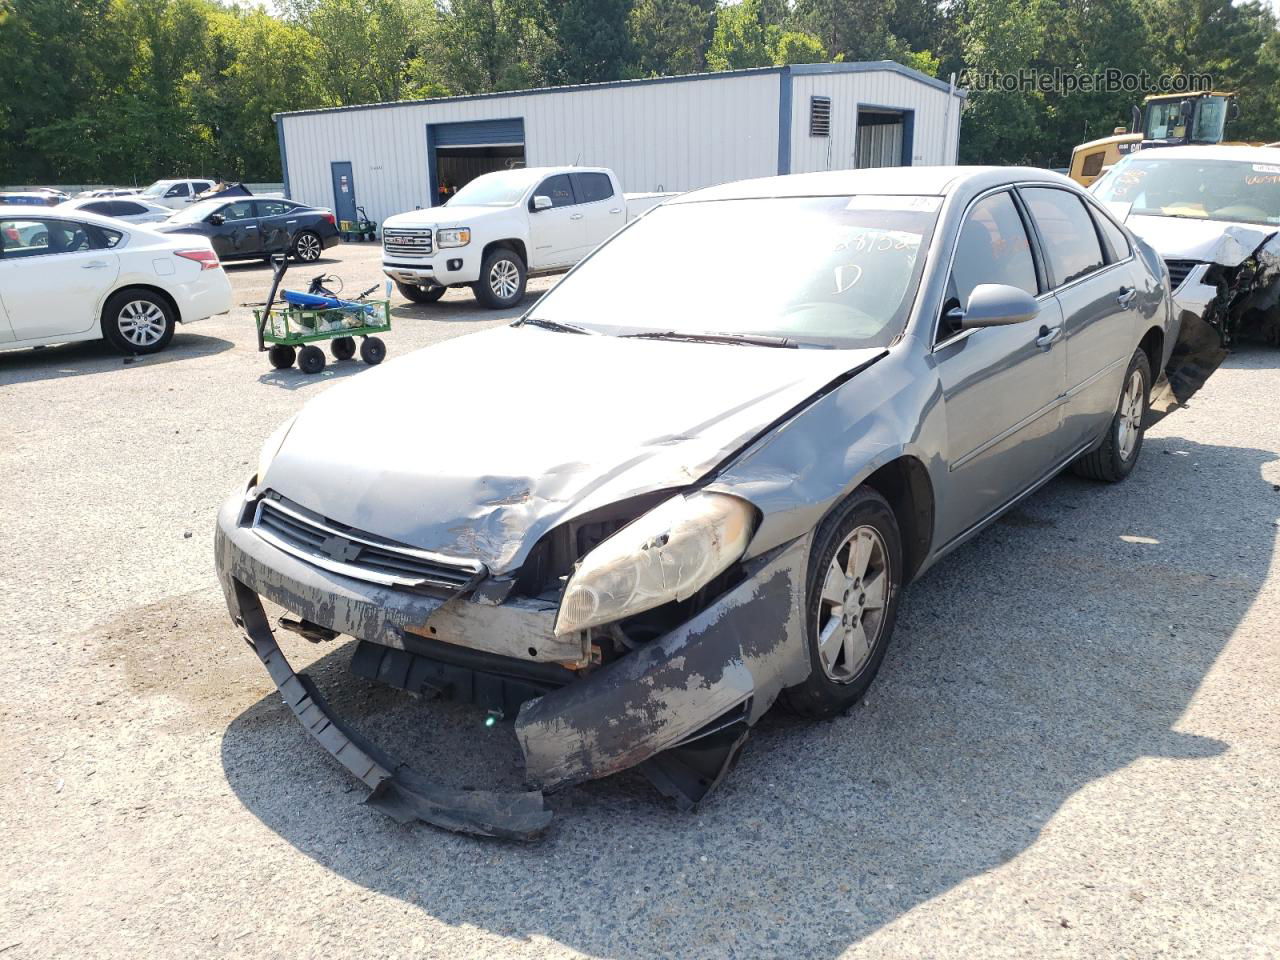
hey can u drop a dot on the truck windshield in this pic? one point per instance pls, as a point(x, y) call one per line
point(1211, 120)
point(500, 189)
point(822, 271)
point(158, 189)
point(1230, 190)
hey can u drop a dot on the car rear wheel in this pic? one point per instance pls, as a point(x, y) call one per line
point(307, 247)
point(138, 321)
point(502, 279)
point(1116, 457)
point(417, 294)
point(855, 576)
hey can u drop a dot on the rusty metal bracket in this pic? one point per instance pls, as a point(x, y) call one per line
point(395, 789)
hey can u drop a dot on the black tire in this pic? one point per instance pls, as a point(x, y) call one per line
point(138, 321)
point(307, 247)
point(417, 294)
point(282, 356)
point(502, 279)
point(311, 359)
point(373, 351)
point(343, 348)
point(1115, 458)
point(821, 695)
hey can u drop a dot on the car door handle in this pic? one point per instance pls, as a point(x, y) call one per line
point(1127, 296)
point(251, 228)
point(576, 216)
point(94, 265)
point(1048, 337)
point(615, 209)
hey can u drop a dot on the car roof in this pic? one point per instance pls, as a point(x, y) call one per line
point(902, 181)
point(1237, 152)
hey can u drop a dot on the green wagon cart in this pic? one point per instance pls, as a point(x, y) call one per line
point(290, 330)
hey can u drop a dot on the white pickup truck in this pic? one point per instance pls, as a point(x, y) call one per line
point(503, 227)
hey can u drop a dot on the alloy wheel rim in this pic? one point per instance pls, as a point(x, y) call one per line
point(504, 279)
point(854, 600)
point(308, 247)
point(142, 323)
point(1130, 416)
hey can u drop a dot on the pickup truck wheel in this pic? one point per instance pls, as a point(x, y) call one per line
point(1118, 454)
point(138, 321)
point(307, 247)
point(417, 294)
point(502, 279)
point(855, 576)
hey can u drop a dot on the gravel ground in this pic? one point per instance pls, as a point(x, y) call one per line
point(1071, 750)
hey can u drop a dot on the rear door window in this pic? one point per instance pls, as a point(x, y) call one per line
point(559, 189)
point(100, 207)
point(272, 208)
point(47, 237)
point(126, 208)
point(1070, 238)
point(592, 187)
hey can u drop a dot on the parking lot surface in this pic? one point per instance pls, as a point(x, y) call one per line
point(1071, 751)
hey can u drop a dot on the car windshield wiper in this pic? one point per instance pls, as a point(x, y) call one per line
point(748, 339)
point(555, 325)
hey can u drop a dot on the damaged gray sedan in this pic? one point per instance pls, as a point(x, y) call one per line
point(693, 480)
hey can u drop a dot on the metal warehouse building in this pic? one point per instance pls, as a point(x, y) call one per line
point(668, 133)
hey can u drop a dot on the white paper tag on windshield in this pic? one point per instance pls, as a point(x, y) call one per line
point(1265, 168)
point(887, 203)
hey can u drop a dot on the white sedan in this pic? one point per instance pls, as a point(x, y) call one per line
point(84, 277)
point(128, 209)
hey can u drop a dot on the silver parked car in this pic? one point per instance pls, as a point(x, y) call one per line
point(670, 495)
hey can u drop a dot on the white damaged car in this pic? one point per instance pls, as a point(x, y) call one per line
point(1213, 215)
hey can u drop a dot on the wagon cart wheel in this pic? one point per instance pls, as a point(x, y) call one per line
point(372, 351)
point(311, 359)
point(282, 356)
point(343, 348)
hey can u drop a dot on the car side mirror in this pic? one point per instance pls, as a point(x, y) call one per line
point(541, 203)
point(217, 219)
point(998, 305)
point(1233, 111)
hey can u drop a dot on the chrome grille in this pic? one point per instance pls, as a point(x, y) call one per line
point(1178, 270)
point(351, 553)
point(412, 243)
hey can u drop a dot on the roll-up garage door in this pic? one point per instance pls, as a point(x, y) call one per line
point(479, 133)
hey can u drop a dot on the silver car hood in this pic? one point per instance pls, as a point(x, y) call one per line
point(1205, 241)
point(478, 446)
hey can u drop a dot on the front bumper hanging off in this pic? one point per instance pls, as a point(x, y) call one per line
point(678, 707)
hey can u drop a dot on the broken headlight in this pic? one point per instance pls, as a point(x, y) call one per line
point(271, 447)
point(667, 554)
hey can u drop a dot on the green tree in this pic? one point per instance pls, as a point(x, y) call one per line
point(592, 42)
point(670, 36)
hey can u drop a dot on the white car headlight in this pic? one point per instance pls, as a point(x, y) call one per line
point(453, 237)
point(271, 447)
point(668, 554)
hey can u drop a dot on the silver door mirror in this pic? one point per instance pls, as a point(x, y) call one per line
point(997, 305)
point(541, 203)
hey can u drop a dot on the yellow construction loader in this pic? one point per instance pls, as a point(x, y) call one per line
point(1166, 120)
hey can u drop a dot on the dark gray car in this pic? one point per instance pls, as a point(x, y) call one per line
point(244, 228)
point(670, 496)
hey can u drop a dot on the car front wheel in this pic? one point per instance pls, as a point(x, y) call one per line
point(417, 294)
point(138, 321)
point(855, 576)
point(502, 279)
point(1116, 456)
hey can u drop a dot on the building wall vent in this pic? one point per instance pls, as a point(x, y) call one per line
point(819, 116)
